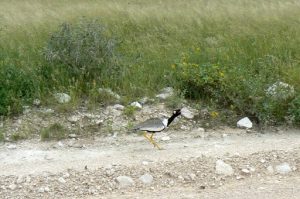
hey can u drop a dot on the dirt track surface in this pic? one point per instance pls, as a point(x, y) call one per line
point(186, 168)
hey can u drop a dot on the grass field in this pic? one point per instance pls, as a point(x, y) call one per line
point(243, 38)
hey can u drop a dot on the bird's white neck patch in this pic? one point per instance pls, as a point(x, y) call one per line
point(165, 122)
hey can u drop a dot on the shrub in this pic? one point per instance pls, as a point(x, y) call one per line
point(80, 52)
point(198, 80)
point(241, 87)
point(18, 86)
point(129, 111)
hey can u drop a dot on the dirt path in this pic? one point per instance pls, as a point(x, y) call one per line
point(184, 169)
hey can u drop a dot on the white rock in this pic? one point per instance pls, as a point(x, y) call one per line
point(62, 98)
point(252, 169)
point(36, 102)
point(20, 180)
point(114, 113)
point(270, 169)
point(72, 135)
point(165, 138)
point(61, 180)
point(66, 175)
point(165, 93)
point(185, 112)
point(180, 178)
point(115, 134)
point(136, 104)
point(145, 163)
point(109, 92)
point(12, 187)
point(109, 172)
point(59, 144)
point(12, 146)
point(200, 130)
point(47, 111)
point(75, 144)
point(41, 190)
point(46, 189)
point(245, 171)
point(192, 176)
point(118, 107)
point(185, 128)
point(97, 121)
point(28, 179)
point(146, 179)
point(125, 181)
point(283, 168)
point(223, 168)
point(74, 118)
point(244, 123)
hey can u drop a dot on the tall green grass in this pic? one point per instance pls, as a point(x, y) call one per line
point(152, 35)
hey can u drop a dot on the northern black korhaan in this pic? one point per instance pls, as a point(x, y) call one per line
point(154, 125)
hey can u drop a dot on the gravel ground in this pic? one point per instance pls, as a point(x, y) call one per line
point(253, 165)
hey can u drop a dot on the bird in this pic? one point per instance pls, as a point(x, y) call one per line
point(154, 125)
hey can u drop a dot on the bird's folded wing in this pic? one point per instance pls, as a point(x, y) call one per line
point(154, 124)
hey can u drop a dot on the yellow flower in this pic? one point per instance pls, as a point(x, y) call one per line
point(214, 114)
point(173, 66)
point(221, 74)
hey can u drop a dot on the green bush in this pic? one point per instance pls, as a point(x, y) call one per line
point(18, 86)
point(240, 87)
point(129, 111)
point(198, 80)
point(80, 53)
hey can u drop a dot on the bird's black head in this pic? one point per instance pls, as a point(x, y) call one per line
point(177, 112)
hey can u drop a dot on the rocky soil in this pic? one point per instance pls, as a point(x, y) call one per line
point(224, 163)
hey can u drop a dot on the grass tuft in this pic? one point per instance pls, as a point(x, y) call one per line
point(53, 132)
point(129, 111)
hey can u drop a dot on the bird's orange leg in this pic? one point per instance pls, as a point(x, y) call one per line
point(154, 143)
point(145, 135)
point(150, 139)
